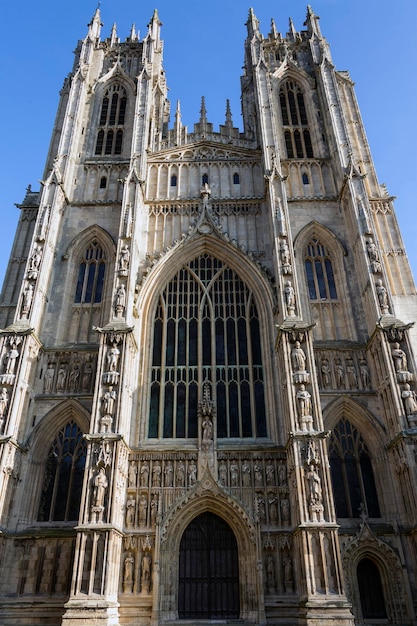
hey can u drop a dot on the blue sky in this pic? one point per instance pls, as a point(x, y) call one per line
point(203, 55)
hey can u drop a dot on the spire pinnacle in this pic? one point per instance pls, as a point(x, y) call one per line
point(252, 23)
point(229, 122)
point(203, 111)
point(312, 22)
point(94, 27)
point(133, 35)
point(113, 35)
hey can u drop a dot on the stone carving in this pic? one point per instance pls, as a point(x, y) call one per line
point(34, 262)
point(288, 574)
point(400, 358)
point(289, 295)
point(270, 573)
point(314, 493)
point(112, 357)
point(128, 569)
point(246, 474)
point(223, 473)
point(27, 300)
point(257, 472)
point(74, 377)
point(285, 512)
point(351, 374)
point(270, 473)
point(132, 474)
point(48, 378)
point(409, 399)
point(373, 255)
point(143, 509)
point(325, 373)
point(144, 474)
point(285, 257)
point(282, 474)
point(298, 362)
point(207, 426)
point(120, 300)
point(339, 373)
point(234, 474)
point(304, 408)
point(169, 471)
point(192, 474)
point(365, 374)
point(4, 402)
point(180, 475)
point(381, 292)
point(107, 408)
point(145, 579)
point(100, 485)
point(154, 509)
point(273, 510)
point(62, 377)
point(156, 474)
point(87, 376)
point(124, 261)
point(130, 511)
point(10, 359)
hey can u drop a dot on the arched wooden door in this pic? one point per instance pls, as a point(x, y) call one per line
point(208, 570)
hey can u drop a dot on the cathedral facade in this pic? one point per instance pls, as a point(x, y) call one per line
point(207, 374)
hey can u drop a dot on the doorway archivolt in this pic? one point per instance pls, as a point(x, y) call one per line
point(207, 501)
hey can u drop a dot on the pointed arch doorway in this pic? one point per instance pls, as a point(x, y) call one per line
point(208, 570)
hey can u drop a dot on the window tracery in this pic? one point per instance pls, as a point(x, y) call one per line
point(319, 272)
point(351, 470)
point(206, 328)
point(111, 122)
point(294, 118)
point(63, 477)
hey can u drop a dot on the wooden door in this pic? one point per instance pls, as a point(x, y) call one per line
point(208, 570)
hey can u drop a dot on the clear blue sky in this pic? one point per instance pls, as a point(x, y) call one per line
point(203, 54)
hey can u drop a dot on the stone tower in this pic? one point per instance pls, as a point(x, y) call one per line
point(207, 374)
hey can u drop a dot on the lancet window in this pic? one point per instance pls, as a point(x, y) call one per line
point(63, 477)
point(112, 118)
point(206, 330)
point(353, 480)
point(294, 119)
point(319, 272)
point(89, 289)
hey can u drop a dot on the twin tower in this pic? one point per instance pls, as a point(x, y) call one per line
point(207, 375)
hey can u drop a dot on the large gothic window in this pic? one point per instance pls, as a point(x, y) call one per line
point(206, 329)
point(319, 272)
point(112, 118)
point(352, 475)
point(294, 119)
point(63, 478)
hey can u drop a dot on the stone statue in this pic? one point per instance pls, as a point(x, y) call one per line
point(400, 358)
point(130, 511)
point(156, 474)
point(27, 300)
point(298, 358)
point(4, 401)
point(409, 399)
point(223, 473)
point(124, 259)
point(169, 471)
point(270, 473)
point(325, 373)
point(62, 377)
point(365, 374)
point(74, 377)
point(100, 487)
point(192, 474)
point(373, 255)
point(270, 572)
point(49, 377)
point(144, 474)
point(289, 294)
point(282, 474)
point(133, 472)
point(285, 512)
point(108, 401)
point(257, 472)
point(11, 357)
point(154, 509)
point(146, 572)
point(381, 292)
point(180, 474)
point(35, 259)
point(113, 355)
point(207, 426)
point(143, 508)
point(285, 252)
point(246, 473)
point(273, 510)
point(339, 373)
point(128, 569)
point(304, 408)
point(314, 485)
point(234, 474)
point(351, 374)
point(120, 302)
point(87, 376)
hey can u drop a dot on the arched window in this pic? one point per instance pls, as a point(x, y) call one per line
point(351, 470)
point(63, 478)
point(111, 121)
point(103, 182)
point(370, 590)
point(319, 271)
point(90, 281)
point(173, 180)
point(204, 180)
point(206, 329)
point(294, 119)
point(236, 179)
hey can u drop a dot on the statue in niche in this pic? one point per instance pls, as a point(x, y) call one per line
point(400, 358)
point(62, 377)
point(373, 255)
point(260, 506)
point(285, 257)
point(87, 376)
point(246, 472)
point(74, 377)
point(314, 485)
point(154, 509)
point(35, 261)
point(298, 358)
point(10, 361)
point(132, 474)
point(409, 399)
point(4, 402)
point(113, 355)
point(351, 374)
point(144, 474)
point(49, 377)
point(143, 509)
point(285, 512)
point(223, 473)
point(381, 292)
point(325, 373)
point(108, 401)
point(156, 474)
point(27, 300)
point(234, 474)
point(145, 578)
point(288, 574)
point(270, 473)
point(270, 572)
point(282, 474)
point(339, 373)
point(207, 426)
point(289, 294)
point(273, 510)
point(180, 474)
point(169, 471)
point(100, 487)
point(128, 569)
point(120, 300)
point(365, 374)
point(192, 474)
point(130, 511)
point(124, 259)
point(257, 472)
point(304, 408)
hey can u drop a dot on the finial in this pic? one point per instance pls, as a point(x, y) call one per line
point(133, 35)
point(229, 121)
point(203, 111)
point(274, 31)
point(113, 35)
point(252, 23)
